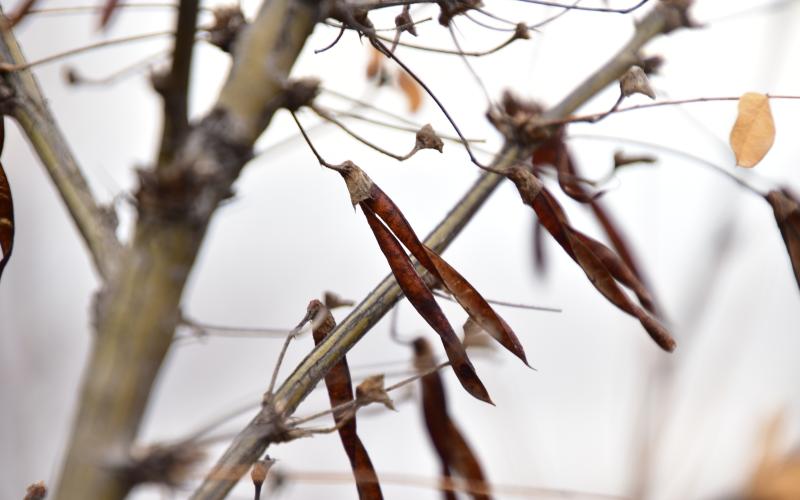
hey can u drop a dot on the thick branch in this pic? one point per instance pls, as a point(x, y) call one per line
point(267, 426)
point(21, 98)
point(138, 310)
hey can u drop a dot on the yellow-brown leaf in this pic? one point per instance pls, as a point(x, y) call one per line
point(754, 131)
point(411, 90)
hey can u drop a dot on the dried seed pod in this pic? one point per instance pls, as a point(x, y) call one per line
point(340, 391)
point(635, 81)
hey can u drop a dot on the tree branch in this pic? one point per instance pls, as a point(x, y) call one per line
point(268, 425)
point(21, 98)
point(138, 310)
point(175, 88)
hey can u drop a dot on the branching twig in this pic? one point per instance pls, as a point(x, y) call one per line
point(26, 104)
point(263, 429)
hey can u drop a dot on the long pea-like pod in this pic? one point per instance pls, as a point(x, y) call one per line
point(455, 455)
point(465, 294)
point(340, 391)
point(786, 208)
point(6, 211)
point(423, 301)
point(601, 265)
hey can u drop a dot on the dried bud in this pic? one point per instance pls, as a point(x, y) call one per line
point(259, 473)
point(651, 65)
point(475, 336)
point(427, 139)
point(403, 22)
point(300, 92)
point(521, 32)
point(332, 301)
point(635, 81)
point(36, 491)
point(371, 390)
point(260, 470)
point(228, 23)
point(358, 182)
point(71, 76)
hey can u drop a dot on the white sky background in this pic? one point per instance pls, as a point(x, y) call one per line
point(577, 423)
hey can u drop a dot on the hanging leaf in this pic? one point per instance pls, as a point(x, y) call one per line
point(787, 214)
point(754, 131)
point(603, 268)
point(455, 455)
point(340, 391)
point(423, 301)
point(6, 211)
point(411, 90)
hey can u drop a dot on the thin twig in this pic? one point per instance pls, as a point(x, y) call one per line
point(473, 53)
point(414, 129)
point(6, 67)
point(448, 484)
point(677, 152)
point(595, 117)
point(131, 69)
point(295, 331)
point(355, 403)
point(328, 117)
point(515, 305)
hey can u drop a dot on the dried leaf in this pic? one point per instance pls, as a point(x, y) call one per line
point(6, 211)
point(786, 208)
point(454, 452)
point(411, 90)
point(340, 391)
point(635, 81)
point(601, 265)
point(777, 476)
point(423, 301)
point(477, 307)
point(427, 139)
point(753, 133)
point(375, 64)
point(372, 390)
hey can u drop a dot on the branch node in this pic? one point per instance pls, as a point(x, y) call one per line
point(228, 22)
